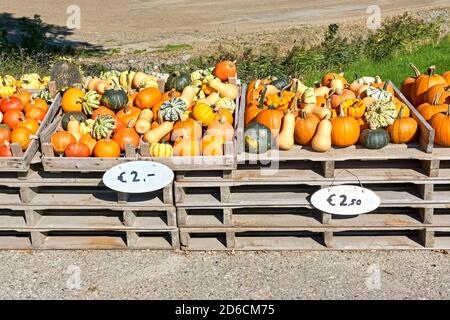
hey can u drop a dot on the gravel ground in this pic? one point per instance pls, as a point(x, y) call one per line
point(211, 275)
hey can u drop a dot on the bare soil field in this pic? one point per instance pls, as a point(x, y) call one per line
point(146, 24)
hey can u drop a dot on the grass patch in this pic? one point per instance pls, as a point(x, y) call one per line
point(175, 47)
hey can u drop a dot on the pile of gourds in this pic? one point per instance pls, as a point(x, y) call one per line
point(332, 113)
point(10, 85)
point(21, 114)
point(192, 117)
point(430, 93)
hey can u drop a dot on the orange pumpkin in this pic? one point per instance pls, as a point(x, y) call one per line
point(39, 103)
point(446, 76)
point(29, 123)
point(305, 127)
point(89, 141)
point(22, 136)
point(340, 96)
point(5, 150)
point(60, 140)
point(441, 125)
point(36, 113)
point(403, 130)
point(129, 115)
point(5, 135)
point(147, 98)
point(408, 82)
point(12, 118)
point(212, 145)
point(189, 127)
point(442, 89)
point(428, 110)
point(225, 113)
point(102, 111)
point(106, 148)
point(126, 136)
point(328, 77)
point(225, 69)
point(272, 119)
point(24, 96)
point(186, 147)
point(423, 83)
point(345, 130)
point(221, 128)
point(77, 150)
point(72, 100)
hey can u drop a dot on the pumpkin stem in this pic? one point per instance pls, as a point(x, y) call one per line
point(295, 101)
point(341, 110)
point(378, 79)
point(416, 71)
point(431, 70)
point(400, 112)
point(303, 114)
point(262, 97)
point(436, 99)
point(448, 110)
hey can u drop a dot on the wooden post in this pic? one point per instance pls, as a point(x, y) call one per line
point(427, 215)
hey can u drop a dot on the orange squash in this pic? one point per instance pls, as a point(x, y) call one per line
point(126, 136)
point(102, 111)
point(29, 123)
point(60, 140)
point(441, 125)
point(345, 130)
point(271, 118)
point(190, 127)
point(106, 148)
point(72, 100)
point(22, 136)
point(221, 128)
point(129, 115)
point(147, 98)
point(423, 83)
point(428, 110)
point(89, 141)
point(305, 127)
point(403, 130)
point(77, 150)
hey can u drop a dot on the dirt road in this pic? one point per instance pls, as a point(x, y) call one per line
point(152, 23)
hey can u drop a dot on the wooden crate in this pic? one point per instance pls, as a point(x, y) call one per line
point(20, 162)
point(88, 240)
point(304, 156)
point(304, 238)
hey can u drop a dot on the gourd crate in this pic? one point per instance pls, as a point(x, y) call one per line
point(304, 238)
point(20, 162)
point(53, 163)
point(299, 161)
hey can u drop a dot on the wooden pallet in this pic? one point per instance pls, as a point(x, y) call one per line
point(328, 162)
point(39, 189)
point(331, 238)
point(88, 240)
point(20, 162)
point(283, 217)
point(294, 194)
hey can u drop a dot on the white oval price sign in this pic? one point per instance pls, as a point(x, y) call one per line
point(345, 200)
point(138, 177)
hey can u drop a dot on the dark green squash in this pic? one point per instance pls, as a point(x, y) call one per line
point(115, 98)
point(178, 81)
point(80, 116)
point(257, 138)
point(374, 139)
point(280, 83)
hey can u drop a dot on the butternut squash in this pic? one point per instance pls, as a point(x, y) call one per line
point(322, 140)
point(211, 99)
point(271, 90)
point(144, 122)
point(285, 139)
point(74, 128)
point(155, 135)
point(188, 95)
point(321, 112)
point(224, 89)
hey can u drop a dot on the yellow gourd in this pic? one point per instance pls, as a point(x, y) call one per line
point(211, 99)
point(74, 128)
point(224, 89)
point(321, 112)
point(285, 139)
point(161, 150)
point(188, 95)
point(155, 135)
point(144, 122)
point(322, 140)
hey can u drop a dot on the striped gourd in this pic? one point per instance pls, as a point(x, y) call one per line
point(226, 103)
point(173, 109)
point(91, 101)
point(43, 94)
point(161, 150)
point(380, 114)
point(103, 126)
point(378, 94)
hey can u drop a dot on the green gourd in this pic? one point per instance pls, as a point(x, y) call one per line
point(80, 116)
point(374, 138)
point(257, 138)
point(173, 109)
point(177, 81)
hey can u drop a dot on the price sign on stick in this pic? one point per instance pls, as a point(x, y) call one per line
point(138, 177)
point(345, 200)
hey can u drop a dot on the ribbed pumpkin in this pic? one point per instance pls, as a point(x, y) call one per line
point(126, 136)
point(441, 89)
point(305, 127)
point(77, 150)
point(147, 98)
point(106, 148)
point(407, 84)
point(22, 136)
point(428, 110)
point(36, 113)
point(129, 115)
point(423, 83)
point(221, 128)
point(203, 113)
point(60, 140)
point(72, 100)
point(271, 118)
point(446, 76)
point(161, 150)
point(374, 139)
point(224, 113)
point(189, 127)
point(403, 130)
point(441, 125)
point(115, 98)
point(399, 105)
point(102, 110)
point(172, 110)
point(212, 145)
point(345, 130)
point(29, 123)
point(89, 141)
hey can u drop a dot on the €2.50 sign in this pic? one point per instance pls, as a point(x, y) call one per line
point(345, 200)
point(138, 177)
